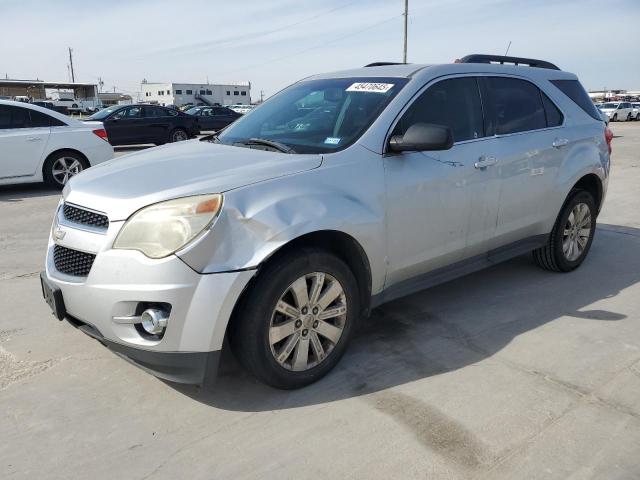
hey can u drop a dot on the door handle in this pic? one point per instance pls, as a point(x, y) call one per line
point(484, 162)
point(560, 142)
point(34, 139)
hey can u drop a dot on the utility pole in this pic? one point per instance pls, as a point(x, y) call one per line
point(73, 77)
point(406, 18)
point(261, 95)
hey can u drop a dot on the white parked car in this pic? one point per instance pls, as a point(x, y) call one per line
point(635, 113)
point(617, 111)
point(38, 144)
point(605, 116)
point(241, 108)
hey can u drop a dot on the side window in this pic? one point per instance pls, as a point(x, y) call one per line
point(39, 119)
point(454, 103)
point(554, 116)
point(514, 105)
point(5, 117)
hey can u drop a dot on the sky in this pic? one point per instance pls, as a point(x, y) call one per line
point(272, 43)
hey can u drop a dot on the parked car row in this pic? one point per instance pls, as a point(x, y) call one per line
point(620, 111)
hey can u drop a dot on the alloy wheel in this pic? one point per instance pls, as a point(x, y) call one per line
point(64, 168)
point(308, 321)
point(576, 232)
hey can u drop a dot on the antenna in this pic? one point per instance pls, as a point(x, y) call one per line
point(508, 47)
point(73, 77)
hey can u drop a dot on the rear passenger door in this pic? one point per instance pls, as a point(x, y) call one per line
point(530, 146)
point(125, 127)
point(157, 122)
point(441, 206)
point(23, 139)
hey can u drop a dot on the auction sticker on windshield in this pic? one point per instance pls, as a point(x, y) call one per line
point(370, 87)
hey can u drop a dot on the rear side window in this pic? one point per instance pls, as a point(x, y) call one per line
point(514, 106)
point(454, 103)
point(575, 91)
point(554, 116)
point(39, 119)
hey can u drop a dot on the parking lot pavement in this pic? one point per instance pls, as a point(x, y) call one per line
point(509, 373)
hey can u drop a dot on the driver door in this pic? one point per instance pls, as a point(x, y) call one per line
point(441, 205)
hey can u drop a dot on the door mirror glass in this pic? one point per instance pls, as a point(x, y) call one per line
point(422, 137)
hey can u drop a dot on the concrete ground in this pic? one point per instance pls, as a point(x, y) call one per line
point(509, 373)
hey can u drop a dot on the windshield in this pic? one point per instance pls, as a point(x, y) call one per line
point(317, 116)
point(102, 114)
point(610, 105)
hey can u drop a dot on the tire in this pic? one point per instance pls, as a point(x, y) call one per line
point(178, 135)
point(62, 166)
point(628, 117)
point(555, 256)
point(273, 354)
point(614, 118)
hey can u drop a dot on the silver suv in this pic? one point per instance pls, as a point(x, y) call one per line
point(342, 192)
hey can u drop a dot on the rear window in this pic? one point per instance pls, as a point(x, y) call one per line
point(575, 91)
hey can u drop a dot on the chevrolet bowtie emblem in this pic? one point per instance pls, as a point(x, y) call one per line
point(59, 234)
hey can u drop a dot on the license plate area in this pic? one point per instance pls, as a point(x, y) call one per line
point(53, 296)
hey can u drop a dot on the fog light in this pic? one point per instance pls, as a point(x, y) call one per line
point(154, 321)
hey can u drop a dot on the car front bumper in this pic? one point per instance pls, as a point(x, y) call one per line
point(122, 282)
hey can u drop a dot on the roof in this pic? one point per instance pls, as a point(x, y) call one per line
point(411, 70)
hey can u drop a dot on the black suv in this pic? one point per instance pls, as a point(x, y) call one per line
point(137, 124)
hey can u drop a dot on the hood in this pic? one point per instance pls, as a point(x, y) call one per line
point(123, 185)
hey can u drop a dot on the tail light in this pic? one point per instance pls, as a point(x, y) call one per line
point(608, 136)
point(102, 133)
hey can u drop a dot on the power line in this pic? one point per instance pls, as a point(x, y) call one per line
point(204, 46)
point(284, 57)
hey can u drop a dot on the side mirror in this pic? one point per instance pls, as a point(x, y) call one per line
point(422, 137)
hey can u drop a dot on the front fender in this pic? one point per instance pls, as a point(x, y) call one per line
point(259, 219)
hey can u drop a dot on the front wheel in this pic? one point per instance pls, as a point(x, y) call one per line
point(61, 167)
point(572, 235)
point(297, 319)
point(614, 118)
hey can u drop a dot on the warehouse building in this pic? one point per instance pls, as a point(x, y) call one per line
point(196, 93)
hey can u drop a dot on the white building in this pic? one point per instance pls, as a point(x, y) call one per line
point(196, 93)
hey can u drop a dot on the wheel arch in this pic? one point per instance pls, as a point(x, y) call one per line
point(63, 150)
point(338, 243)
point(592, 184)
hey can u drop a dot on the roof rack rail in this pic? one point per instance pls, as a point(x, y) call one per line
point(501, 59)
point(382, 64)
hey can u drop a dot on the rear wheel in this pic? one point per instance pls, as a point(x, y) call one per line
point(60, 167)
point(572, 235)
point(178, 135)
point(297, 319)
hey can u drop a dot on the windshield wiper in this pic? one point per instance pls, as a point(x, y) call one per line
point(270, 143)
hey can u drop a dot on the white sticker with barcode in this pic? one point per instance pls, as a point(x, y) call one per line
point(370, 87)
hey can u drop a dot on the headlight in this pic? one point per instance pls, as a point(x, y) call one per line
point(160, 229)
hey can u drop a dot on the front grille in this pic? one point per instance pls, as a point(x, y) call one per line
point(84, 217)
point(72, 262)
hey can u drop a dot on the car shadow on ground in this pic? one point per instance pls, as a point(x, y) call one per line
point(17, 193)
point(448, 327)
